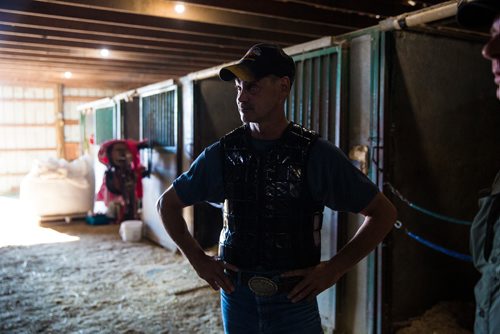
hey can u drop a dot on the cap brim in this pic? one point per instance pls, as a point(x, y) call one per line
point(240, 71)
point(477, 15)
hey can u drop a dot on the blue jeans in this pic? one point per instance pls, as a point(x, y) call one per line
point(245, 312)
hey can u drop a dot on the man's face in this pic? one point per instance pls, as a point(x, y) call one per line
point(261, 100)
point(491, 51)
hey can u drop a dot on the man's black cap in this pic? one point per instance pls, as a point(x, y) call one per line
point(259, 61)
point(477, 13)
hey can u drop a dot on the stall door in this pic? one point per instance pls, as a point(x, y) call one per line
point(315, 103)
point(444, 140)
point(215, 114)
point(159, 125)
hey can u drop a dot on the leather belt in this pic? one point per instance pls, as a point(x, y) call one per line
point(265, 285)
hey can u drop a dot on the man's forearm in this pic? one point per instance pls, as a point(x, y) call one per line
point(369, 235)
point(211, 269)
point(378, 222)
point(178, 231)
point(170, 212)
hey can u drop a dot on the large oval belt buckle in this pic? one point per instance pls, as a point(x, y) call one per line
point(262, 286)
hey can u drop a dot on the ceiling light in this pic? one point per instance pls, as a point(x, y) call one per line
point(68, 74)
point(412, 3)
point(179, 8)
point(104, 52)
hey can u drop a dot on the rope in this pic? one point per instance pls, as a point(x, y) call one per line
point(436, 247)
point(423, 210)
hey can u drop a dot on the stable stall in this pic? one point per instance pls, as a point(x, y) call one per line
point(159, 124)
point(441, 122)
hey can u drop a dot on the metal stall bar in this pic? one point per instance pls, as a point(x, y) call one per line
point(313, 96)
point(158, 115)
point(375, 259)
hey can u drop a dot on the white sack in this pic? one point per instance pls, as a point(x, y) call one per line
point(58, 187)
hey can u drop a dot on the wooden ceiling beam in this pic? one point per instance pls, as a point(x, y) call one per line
point(256, 14)
point(88, 69)
point(185, 68)
point(100, 28)
point(93, 49)
point(69, 61)
point(119, 81)
point(372, 8)
point(149, 42)
point(56, 10)
point(288, 10)
point(90, 66)
point(49, 35)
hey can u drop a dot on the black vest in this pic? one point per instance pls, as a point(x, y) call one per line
point(270, 220)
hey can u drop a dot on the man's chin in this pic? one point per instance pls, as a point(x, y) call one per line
point(245, 118)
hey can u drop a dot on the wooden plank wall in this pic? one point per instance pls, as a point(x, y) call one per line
point(39, 121)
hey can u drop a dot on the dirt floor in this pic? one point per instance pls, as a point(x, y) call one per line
point(78, 278)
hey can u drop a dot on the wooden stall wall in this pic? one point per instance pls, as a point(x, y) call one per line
point(39, 121)
point(215, 114)
point(27, 130)
point(442, 130)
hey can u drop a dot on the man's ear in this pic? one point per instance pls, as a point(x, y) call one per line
point(286, 84)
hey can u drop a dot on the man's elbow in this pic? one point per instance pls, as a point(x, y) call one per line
point(160, 204)
point(382, 210)
point(385, 209)
point(392, 213)
point(169, 201)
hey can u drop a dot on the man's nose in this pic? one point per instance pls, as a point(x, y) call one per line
point(242, 96)
point(491, 50)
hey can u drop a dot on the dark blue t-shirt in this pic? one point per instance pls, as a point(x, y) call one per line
point(331, 177)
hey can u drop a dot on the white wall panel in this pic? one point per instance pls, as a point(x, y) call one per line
point(7, 92)
point(27, 132)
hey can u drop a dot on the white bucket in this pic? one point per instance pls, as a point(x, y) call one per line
point(131, 230)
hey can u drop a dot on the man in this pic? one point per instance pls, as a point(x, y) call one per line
point(274, 178)
point(485, 230)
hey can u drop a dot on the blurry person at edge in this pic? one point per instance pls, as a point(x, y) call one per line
point(485, 230)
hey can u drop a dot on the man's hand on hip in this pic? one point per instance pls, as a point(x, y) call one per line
point(211, 269)
point(315, 280)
